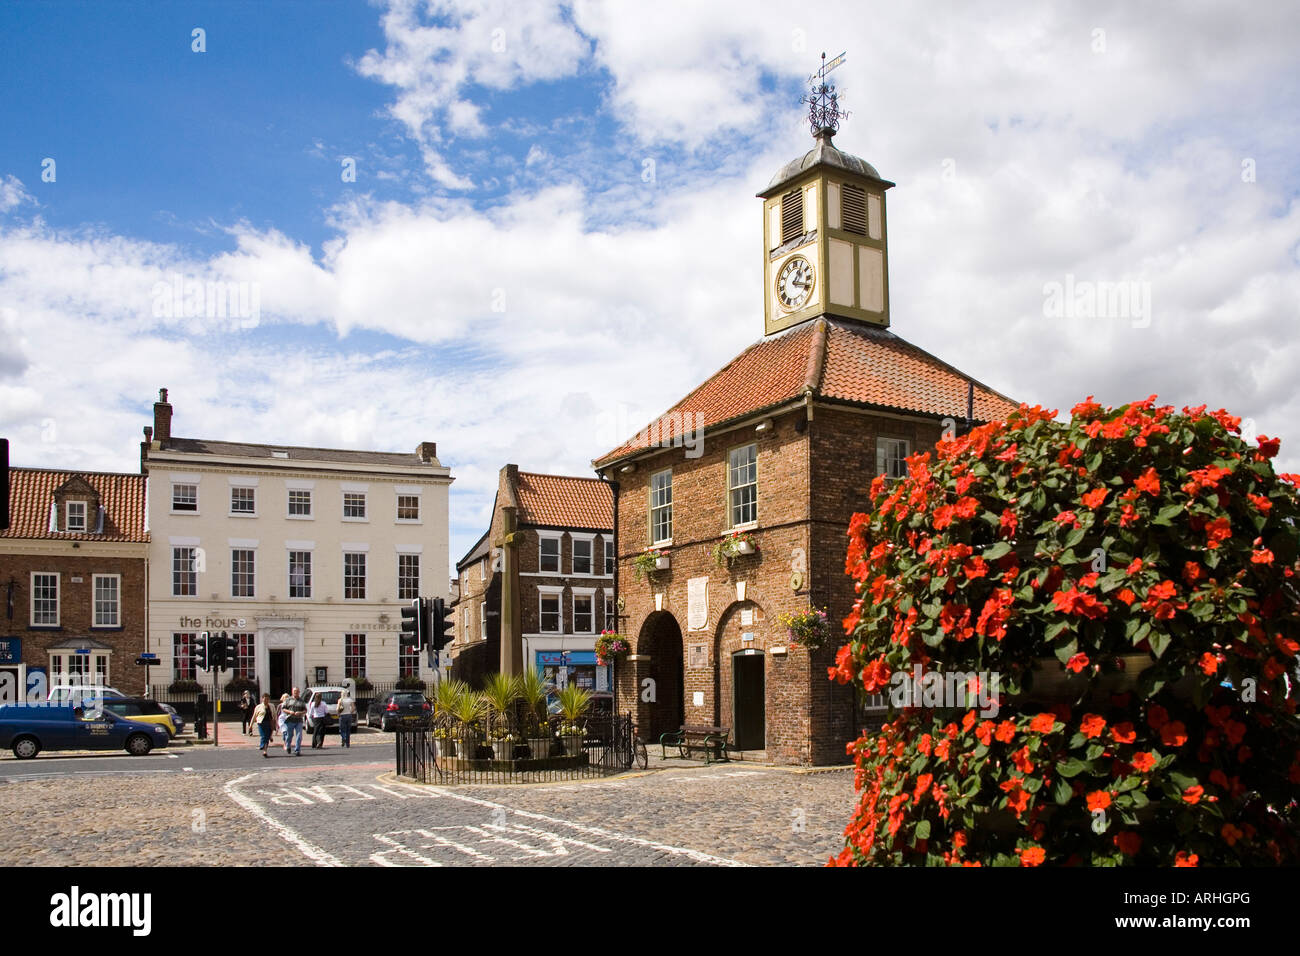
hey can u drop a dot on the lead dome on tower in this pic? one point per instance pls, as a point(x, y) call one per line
point(824, 153)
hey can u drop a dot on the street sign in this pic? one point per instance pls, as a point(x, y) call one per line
point(147, 660)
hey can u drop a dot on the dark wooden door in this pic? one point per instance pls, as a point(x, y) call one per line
point(281, 673)
point(750, 694)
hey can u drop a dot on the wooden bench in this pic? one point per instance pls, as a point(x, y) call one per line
point(690, 738)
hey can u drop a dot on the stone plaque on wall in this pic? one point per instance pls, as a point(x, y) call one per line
point(697, 604)
point(697, 657)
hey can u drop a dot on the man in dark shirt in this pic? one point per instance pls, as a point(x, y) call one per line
point(295, 711)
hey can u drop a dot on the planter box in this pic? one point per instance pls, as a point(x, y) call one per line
point(663, 564)
point(745, 547)
point(503, 749)
point(446, 746)
point(572, 745)
point(539, 747)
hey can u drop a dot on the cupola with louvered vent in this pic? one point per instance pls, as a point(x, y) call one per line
point(824, 243)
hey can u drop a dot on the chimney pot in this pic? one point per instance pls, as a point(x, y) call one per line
point(162, 418)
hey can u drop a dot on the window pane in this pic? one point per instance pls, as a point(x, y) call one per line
point(242, 501)
point(241, 573)
point(408, 577)
point(300, 503)
point(550, 555)
point(106, 600)
point(183, 656)
point(185, 578)
point(582, 614)
point(581, 556)
point(185, 497)
point(743, 481)
point(550, 612)
point(45, 599)
point(354, 655)
point(299, 574)
point(609, 557)
point(661, 506)
point(408, 507)
point(76, 515)
point(354, 576)
point(245, 655)
point(354, 505)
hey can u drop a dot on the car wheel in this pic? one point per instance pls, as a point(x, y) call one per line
point(137, 745)
point(25, 748)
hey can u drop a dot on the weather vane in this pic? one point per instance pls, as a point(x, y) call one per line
point(823, 102)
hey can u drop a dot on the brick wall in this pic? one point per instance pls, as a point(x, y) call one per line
point(76, 610)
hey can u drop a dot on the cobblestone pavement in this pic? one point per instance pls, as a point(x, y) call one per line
point(360, 815)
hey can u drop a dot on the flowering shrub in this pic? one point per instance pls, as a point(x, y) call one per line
point(1053, 553)
point(810, 629)
point(729, 548)
point(610, 646)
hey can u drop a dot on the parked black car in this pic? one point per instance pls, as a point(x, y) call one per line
point(396, 707)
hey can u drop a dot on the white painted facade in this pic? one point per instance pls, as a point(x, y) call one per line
point(272, 508)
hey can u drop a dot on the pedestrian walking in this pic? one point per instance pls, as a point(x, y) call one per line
point(295, 710)
point(263, 719)
point(319, 713)
point(246, 705)
point(347, 717)
point(282, 722)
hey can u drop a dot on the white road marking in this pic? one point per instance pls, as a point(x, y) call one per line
point(743, 773)
point(172, 756)
point(312, 852)
point(187, 768)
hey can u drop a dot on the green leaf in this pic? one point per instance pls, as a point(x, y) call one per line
point(923, 830)
point(1167, 515)
point(1062, 792)
point(1160, 642)
point(1070, 767)
point(996, 551)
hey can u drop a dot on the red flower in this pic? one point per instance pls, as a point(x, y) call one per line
point(1007, 523)
point(1128, 842)
point(1123, 733)
point(1092, 725)
point(1149, 482)
point(1144, 761)
point(1043, 723)
point(1217, 531)
point(1192, 572)
point(1157, 716)
point(1077, 663)
point(1268, 447)
point(1193, 794)
point(1127, 596)
point(941, 749)
point(875, 675)
point(1209, 663)
point(842, 672)
point(1260, 502)
point(1078, 602)
point(984, 732)
point(1173, 734)
point(1006, 732)
point(1092, 499)
point(1033, 856)
point(1262, 556)
point(1098, 800)
point(1185, 859)
point(1134, 566)
point(1231, 834)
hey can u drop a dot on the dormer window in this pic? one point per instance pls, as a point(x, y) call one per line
point(76, 516)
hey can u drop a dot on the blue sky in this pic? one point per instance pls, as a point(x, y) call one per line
point(553, 233)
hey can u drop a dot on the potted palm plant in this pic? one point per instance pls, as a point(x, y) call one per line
point(573, 704)
point(466, 710)
point(444, 714)
point(532, 691)
point(500, 691)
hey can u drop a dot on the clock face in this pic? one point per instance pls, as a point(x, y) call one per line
point(794, 283)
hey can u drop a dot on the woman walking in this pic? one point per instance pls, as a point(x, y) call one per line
point(263, 719)
point(347, 716)
point(282, 722)
point(246, 707)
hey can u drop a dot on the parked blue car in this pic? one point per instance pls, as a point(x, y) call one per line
point(27, 729)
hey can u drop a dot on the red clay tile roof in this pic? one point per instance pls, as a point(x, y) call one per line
point(31, 493)
point(848, 362)
point(560, 501)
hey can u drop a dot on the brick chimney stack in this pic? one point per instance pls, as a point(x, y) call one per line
point(426, 451)
point(162, 418)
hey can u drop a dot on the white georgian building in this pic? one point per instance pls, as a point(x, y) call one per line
point(307, 555)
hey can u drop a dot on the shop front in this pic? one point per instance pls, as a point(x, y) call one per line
point(561, 668)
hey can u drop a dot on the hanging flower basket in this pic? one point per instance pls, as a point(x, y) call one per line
point(611, 646)
point(647, 562)
point(810, 629)
point(732, 546)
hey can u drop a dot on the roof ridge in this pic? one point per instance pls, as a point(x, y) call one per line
point(854, 329)
point(543, 474)
point(255, 444)
point(77, 471)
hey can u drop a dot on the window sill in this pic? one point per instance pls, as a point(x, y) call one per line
point(355, 520)
point(408, 521)
point(300, 517)
point(747, 526)
point(194, 513)
point(107, 627)
point(665, 543)
point(241, 514)
point(44, 627)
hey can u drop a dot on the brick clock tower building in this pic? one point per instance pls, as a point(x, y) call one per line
point(781, 444)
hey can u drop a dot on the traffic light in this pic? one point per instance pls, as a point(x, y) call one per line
point(442, 627)
point(201, 652)
point(222, 652)
point(413, 625)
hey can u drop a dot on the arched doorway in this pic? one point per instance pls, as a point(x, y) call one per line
point(661, 640)
point(749, 697)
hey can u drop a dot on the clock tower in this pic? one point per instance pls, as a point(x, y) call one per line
point(824, 250)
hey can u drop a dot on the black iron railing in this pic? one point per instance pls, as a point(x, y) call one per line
point(450, 752)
